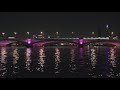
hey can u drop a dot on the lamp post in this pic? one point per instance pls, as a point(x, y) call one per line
point(57, 34)
point(72, 34)
point(28, 33)
point(15, 33)
point(107, 30)
point(93, 34)
point(42, 34)
point(112, 35)
point(3, 34)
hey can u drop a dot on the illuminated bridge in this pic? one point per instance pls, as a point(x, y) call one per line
point(52, 41)
point(41, 42)
point(103, 42)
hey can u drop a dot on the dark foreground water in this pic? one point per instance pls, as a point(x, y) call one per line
point(60, 62)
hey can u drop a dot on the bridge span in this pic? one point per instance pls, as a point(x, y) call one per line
point(50, 41)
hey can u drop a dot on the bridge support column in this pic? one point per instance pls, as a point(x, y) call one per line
point(81, 43)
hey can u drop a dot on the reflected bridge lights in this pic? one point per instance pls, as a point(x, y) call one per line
point(57, 60)
point(3, 55)
point(28, 58)
point(113, 57)
point(15, 56)
point(41, 60)
point(72, 64)
point(93, 57)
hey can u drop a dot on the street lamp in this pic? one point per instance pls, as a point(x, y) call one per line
point(107, 30)
point(41, 33)
point(57, 34)
point(15, 33)
point(28, 33)
point(112, 33)
point(93, 33)
point(72, 34)
point(3, 34)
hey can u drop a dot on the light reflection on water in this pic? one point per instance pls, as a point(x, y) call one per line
point(113, 57)
point(57, 60)
point(28, 58)
point(3, 55)
point(3, 62)
point(72, 61)
point(41, 59)
point(93, 57)
point(15, 60)
point(89, 62)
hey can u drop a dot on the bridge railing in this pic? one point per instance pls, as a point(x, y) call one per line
point(95, 38)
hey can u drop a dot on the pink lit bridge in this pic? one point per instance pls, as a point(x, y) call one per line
point(29, 42)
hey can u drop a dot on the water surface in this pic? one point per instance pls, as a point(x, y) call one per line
point(60, 62)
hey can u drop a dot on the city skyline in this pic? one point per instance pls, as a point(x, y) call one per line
point(59, 44)
point(82, 23)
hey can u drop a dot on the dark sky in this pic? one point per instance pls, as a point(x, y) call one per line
point(81, 23)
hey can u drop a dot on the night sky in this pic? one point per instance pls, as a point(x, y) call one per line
point(82, 23)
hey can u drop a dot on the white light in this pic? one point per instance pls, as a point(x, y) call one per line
point(28, 33)
point(15, 33)
point(3, 33)
point(41, 32)
point(107, 26)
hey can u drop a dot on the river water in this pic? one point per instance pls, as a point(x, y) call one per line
point(60, 62)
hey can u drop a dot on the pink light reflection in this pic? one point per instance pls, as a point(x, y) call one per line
point(81, 55)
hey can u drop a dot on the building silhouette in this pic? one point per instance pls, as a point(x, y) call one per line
point(99, 32)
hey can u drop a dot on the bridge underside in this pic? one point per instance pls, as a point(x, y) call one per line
point(17, 44)
point(60, 42)
point(13, 43)
point(56, 43)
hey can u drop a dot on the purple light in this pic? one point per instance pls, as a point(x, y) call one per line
point(29, 41)
point(81, 53)
point(81, 41)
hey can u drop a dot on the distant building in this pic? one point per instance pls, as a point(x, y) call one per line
point(40, 36)
point(11, 37)
point(119, 35)
point(96, 38)
point(34, 36)
point(99, 32)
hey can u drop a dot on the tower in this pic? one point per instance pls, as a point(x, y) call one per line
point(99, 32)
point(108, 30)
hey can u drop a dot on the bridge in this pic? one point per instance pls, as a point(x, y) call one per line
point(61, 41)
point(103, 42)
point(41, 42)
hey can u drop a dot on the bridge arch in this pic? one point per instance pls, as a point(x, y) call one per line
point(8, 42)
point(47, 42)
point(18, 43)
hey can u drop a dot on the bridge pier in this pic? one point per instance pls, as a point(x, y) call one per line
point(81, 42)
point(81, 46)
point(29, 45)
